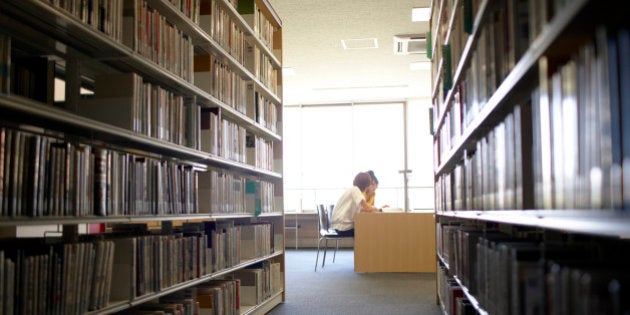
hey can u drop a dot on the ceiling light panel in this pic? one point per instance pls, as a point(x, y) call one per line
point(420, 14)
point(360, 43)
point(420, 65)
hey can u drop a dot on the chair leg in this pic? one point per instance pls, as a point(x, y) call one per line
point(336, 248)
point(317, 257)
point(325, 250)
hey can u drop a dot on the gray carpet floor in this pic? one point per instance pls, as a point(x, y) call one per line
point(337, 289)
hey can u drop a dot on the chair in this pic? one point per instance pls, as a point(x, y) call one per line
point(326, 233)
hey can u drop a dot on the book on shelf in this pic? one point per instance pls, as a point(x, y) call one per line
point(5, 64)
point(255, 240)
point(540, 13)
point(251, 280)
point(429, 44)
point(123, 287)
point(518, 11)
point(4, 158)
point(261, 109)
point(544, 115)
point(511, 166)
point(221, 192)
point(218, 297)
point(210, 130)
point(447, 72)
point(557, 151)
point(32, 77)
point(569, 113)
point(608, 79)
point(117, 101)
point(223, 242)
point(623, 40)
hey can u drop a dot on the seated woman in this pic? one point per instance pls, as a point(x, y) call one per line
point(350, 203)
point(370, 193)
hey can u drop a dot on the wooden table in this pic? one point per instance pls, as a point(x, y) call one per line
point(394, 242)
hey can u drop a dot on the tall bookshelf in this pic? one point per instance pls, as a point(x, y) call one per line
point(140, 157)
point(530, 121)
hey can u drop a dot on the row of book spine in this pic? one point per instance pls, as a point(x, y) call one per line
point(230, 296)
point(501, 42)
point(147, 264)
point(518, 273)
point(146, 30)
point(262, 26)
point(46, 176)
point(233, 141)
point(148, 33)
point(156, 112)
point(451, 23)
point(190, 8)
point(259, 282)
point(224, 138)
point(217, 22)
point(510, 29)
point(581, 141)
point(218, 79)
point(492, 176)
point(136, 185)
point(260, 152)
point(259, 195)
point(232, 243)
point(62, 278)
point(264, 110)
point(261, 66)
point(51, 276)
point(105, 16)
point(126, 100)
point(451, 294)
point(225, 193)
point(153, 262)
point(141, 106)
point(565, 145)
point(256, 240)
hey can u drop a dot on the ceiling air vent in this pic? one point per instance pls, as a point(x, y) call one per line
point(410, 44)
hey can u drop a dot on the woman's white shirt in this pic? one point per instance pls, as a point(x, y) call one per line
point(346, 207)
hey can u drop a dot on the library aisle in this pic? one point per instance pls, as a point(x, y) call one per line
point(337, 289)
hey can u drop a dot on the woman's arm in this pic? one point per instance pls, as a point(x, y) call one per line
point(367, 208)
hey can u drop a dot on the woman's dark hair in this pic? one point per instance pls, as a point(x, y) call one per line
point(371, 172)
point(362, 180)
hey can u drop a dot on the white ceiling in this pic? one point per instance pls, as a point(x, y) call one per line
point(326, 73)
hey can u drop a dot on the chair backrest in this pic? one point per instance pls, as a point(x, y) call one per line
point(323, 222)
point(330, 211)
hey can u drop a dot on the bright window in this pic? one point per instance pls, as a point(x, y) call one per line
point(325, 146)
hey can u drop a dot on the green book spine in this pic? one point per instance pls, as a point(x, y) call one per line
point(429, 45)
point(431, 127)
point(468, 16)
point(447, 73)
point(246, 7)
